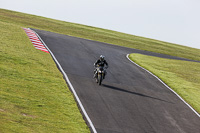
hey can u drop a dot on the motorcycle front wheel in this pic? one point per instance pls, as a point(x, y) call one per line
point(99, 79)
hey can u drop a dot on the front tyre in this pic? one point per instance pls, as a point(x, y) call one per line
point(99, 79)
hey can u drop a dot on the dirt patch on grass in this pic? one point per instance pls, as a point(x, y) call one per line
point(2, 110)
point(26, 115)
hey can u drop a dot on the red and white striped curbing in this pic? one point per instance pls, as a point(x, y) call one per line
point(35, 40)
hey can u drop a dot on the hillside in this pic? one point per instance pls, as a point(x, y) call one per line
point(34, 96)
point(98, 34)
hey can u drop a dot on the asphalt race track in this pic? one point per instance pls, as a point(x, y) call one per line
point(130, 100)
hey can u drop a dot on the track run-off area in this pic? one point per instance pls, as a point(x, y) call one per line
point(130, 100)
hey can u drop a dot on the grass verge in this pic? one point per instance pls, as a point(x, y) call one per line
point(98, 34)
point(34, 96)
point(182, 76)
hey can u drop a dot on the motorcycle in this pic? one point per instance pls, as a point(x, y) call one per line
point(100, 74)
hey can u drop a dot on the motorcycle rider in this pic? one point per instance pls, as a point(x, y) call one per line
point(100, 62)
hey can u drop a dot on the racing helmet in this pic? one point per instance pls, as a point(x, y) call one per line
point(102, 58)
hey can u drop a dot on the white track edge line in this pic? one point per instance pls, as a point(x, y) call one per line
point(127, 56)
point(68, 81)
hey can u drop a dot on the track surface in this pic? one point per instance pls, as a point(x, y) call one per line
point(130, 99)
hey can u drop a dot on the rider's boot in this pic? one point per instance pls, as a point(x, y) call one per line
point(104, 74)
point(95, 75)
point(95, 71)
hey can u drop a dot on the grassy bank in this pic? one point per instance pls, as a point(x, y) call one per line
point(33, 94)
point(93, 33)
point(182, 76)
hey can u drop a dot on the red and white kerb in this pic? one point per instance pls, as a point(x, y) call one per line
point(35, 40)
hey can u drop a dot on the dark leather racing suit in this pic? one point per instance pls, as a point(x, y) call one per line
point(99, 63)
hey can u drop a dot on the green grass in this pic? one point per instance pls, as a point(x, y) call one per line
point(182, 76)
point(98, 34)
point(33, 94)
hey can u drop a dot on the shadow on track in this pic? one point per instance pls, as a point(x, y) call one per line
point(135, 93)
